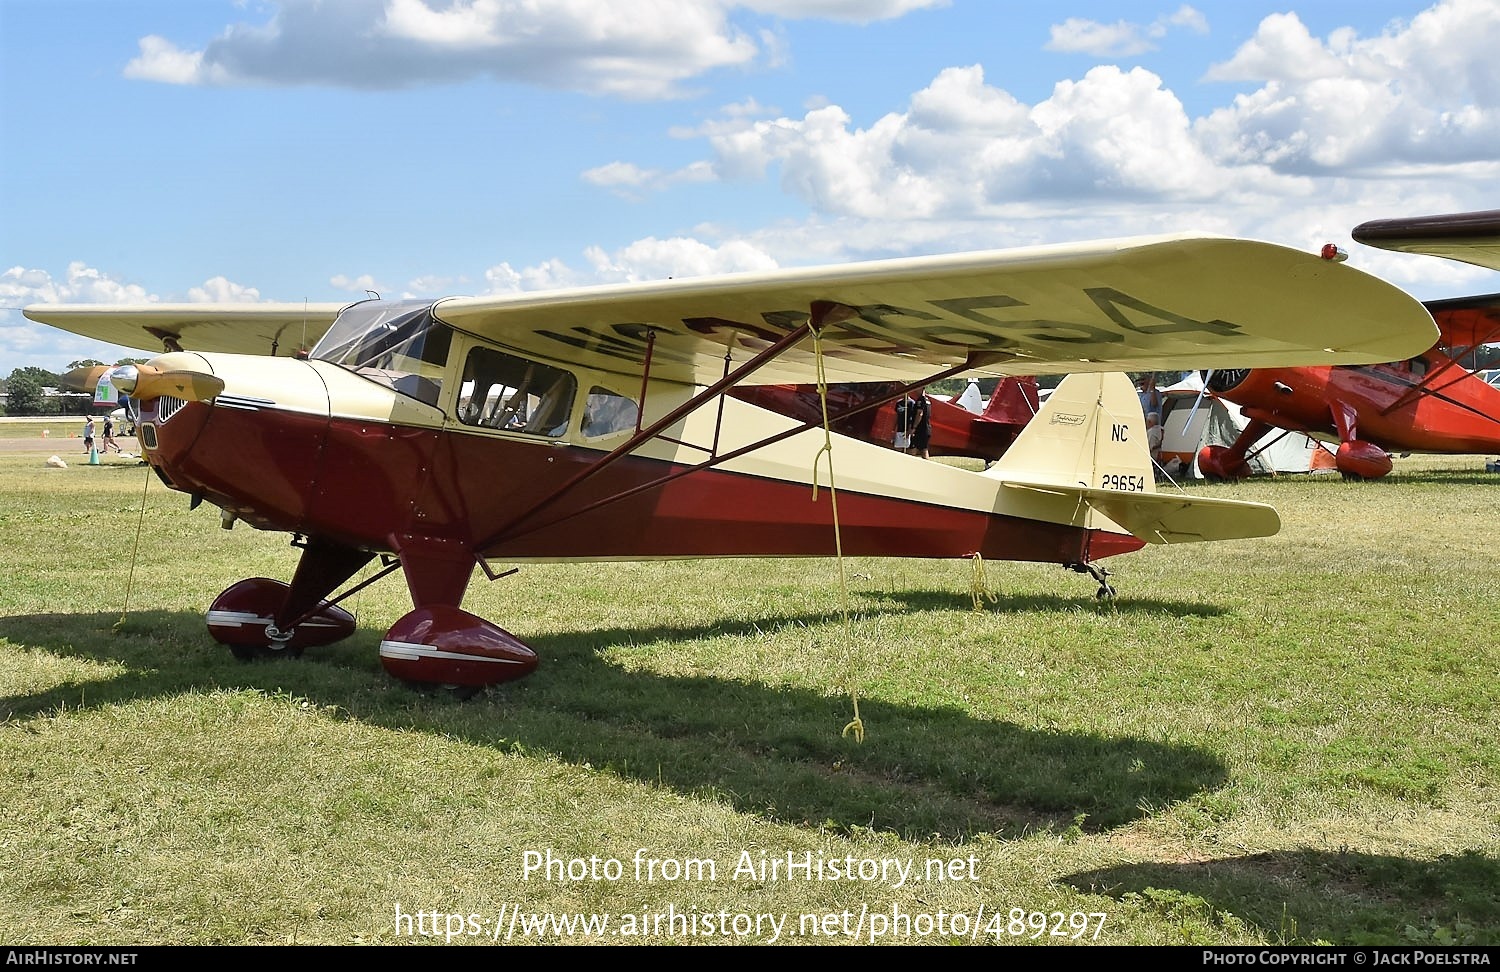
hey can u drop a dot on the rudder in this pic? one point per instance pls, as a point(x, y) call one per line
point(1090, 433)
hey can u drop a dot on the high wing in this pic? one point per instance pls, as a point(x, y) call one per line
point(239, 328)
point(1464, 322)
point(1139, 304)
point(1467, 322)
point(1466, 237)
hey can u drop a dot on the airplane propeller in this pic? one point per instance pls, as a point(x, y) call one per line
point(144, 383)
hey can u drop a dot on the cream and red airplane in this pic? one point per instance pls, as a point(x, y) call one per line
point(471, 433)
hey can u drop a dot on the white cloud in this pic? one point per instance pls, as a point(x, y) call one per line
point(621, 175)
point(357, 285)
point(631, 181)
point(641, 49)
point(965, 149)
point(81, 284)
point(1122, 38)
point(221, 290)
point(850, 11)
point(645, 259)
point(161, 60)
point(654, 259)
point(1426, 92)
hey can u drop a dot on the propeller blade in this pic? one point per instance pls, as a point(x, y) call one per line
point(1207, 376)
point(144, 383)
point(84, 379)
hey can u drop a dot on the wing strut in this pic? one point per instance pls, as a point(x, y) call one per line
point(670, 477)
point(1428, 383)
point(766, 356)
point(824, 313)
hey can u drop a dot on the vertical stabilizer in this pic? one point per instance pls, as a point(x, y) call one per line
point(1090, 433)
point(1083, 460)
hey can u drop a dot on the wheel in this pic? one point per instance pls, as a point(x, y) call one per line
point(242, 617)
point(448, 648)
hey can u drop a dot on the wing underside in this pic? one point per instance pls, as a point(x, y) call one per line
point(239, 328)
point(1466, 237)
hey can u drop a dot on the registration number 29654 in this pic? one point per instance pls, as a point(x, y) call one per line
point(1123, 483)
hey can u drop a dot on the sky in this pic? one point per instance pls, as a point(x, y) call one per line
point(313, 150)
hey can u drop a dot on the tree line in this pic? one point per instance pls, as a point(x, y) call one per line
point(26, 390)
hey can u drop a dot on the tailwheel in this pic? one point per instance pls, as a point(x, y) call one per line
point(243, 618)
point(1106, 590)
point(451, 650)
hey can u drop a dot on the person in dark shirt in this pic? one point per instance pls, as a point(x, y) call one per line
point(914, 421)
point(109, 435)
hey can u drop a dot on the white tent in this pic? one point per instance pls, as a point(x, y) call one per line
point(1214, 421)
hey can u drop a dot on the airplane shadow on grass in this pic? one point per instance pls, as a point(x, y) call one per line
point(777, 753)
point(1306, 896)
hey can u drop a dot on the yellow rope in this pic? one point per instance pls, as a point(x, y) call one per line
point(856, 728)
point(130, 577)
point(979, 587)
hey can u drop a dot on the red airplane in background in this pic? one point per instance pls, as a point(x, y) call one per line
point(863, 410)
point(1430, 403)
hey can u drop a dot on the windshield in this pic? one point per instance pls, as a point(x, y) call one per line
point(394, 342)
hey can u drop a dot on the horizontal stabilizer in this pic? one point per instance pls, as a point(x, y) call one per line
point(1172, 517)
point(1084, 459)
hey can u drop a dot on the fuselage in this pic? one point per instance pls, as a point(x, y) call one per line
point(489, 456)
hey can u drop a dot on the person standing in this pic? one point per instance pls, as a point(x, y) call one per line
point(109, 435)
point(88, 434)
point(1150, 396)
point(1154, 436)
point(914, 421)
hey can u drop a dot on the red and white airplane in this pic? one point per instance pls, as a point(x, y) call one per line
point(471, 433)
point(1427, 402)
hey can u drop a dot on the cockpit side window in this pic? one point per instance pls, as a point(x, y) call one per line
point(502, 391)
point(607, 412)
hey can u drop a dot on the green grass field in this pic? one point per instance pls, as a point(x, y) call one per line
point(1284, 741)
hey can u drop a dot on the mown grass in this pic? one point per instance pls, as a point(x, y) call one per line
point(1287, 741)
